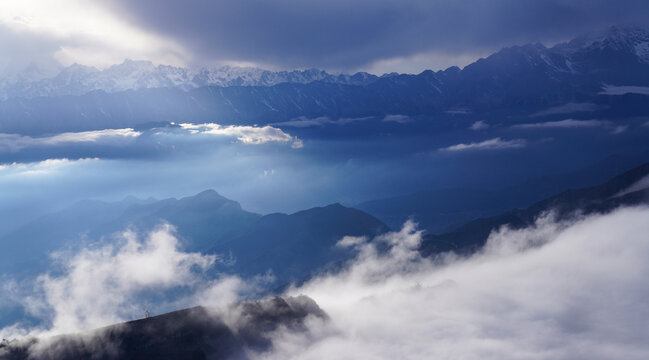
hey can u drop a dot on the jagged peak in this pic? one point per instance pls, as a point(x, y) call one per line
point(614, 37)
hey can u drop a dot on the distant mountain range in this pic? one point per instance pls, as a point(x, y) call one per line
point(291, 246)
point(440, 211)
point(134, 75)
point(628, 189)
point(586, 70)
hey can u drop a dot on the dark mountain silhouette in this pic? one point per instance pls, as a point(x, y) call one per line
point(628, 189)
point(195, 333)
point(202, 220)
point(293, 246)
point(442, 210)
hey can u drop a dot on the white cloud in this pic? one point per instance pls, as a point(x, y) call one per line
point(552, 291)
point(246, 134)
point(491, 144)
point(99, 286)
point(401, 119)
point(623, 90)
point(41, 167)
point(351, 241)
point(15, 142)
point(479, 125)
point(565, 124)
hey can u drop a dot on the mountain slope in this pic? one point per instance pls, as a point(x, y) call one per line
point(439, 211)
point(628, 189)
point(201, 220)
point(293, 246)
point(195, 333)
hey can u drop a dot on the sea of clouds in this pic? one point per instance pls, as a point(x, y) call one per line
point(561, 289)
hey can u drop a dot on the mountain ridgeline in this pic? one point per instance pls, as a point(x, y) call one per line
point(290, 246)
point(628, 189)
point(194, 333)
point(574, 72)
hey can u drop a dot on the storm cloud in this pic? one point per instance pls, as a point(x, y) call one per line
point(350, 35)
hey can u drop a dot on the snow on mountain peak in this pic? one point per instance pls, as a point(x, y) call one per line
point(137, 74)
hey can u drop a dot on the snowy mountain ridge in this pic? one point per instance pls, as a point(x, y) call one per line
point(134, 75)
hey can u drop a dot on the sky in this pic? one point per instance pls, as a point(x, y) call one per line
point(378, 36)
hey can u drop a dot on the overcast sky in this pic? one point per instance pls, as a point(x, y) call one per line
point(338, 35)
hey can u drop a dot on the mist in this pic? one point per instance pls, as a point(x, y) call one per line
point(561, 289)
point(557, 290)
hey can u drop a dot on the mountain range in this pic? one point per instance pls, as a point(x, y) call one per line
point(586, 70)
point(630, 188)
point(290, 246)
point(79, 79)
point(201, 332)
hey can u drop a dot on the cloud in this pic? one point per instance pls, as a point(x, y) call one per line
point(565, 124)
point(304, 122)
point(574, 124)
point(491, 144)
point(556, 290)
point(479, 125)
point(363, 34)
point(375, 35)
point(246, 134)
point(102, 285)
point(569, 108)
point(40, 167)
point(14, 142)
point(623, 90)
point(401, 119)
point(77, 31)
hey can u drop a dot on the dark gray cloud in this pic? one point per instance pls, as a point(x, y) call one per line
point(350, 34)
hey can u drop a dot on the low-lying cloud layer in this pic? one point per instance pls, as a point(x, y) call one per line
point(40, 167)
point(246, 134)
point(574, 124)
point(565, 124)
point(623, 90)
point(14, 142)
point(305, 122)
point(553, 291)
point(491, 144)
point(569, 108)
